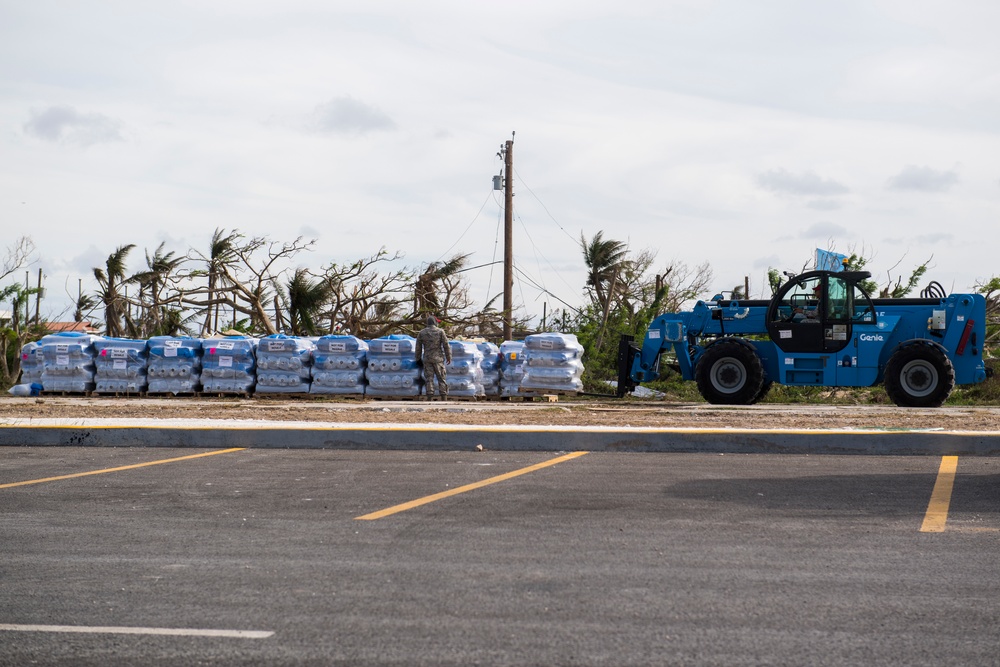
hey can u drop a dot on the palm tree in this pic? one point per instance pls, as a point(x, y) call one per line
point(83, 305)
point(111, 278)
point(306, 299)
point(221, 251)
point(426, 298)
point(604, 260)
point(152, 282)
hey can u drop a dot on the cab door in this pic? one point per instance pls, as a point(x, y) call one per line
point(795, 317)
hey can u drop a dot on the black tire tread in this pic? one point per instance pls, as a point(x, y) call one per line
point(930, 353)
point(746, 355)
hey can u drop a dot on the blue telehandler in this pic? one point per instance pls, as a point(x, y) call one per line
point(820, 329)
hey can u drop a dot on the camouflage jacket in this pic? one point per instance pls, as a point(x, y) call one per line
point(432, 343)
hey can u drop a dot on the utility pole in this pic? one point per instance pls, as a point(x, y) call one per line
point(508, 236)
point(38, 298)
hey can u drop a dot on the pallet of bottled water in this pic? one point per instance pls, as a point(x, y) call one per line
point(553, 363)
point(30, 378)
point(32, 363)
point(67, 362)
point(174, 365)
point(339, 364)
point(392, 369)
point(511, 368)
point(491, 368)
point(228, 365)
point(465, 373)
point(284, 364)
point(120, 365)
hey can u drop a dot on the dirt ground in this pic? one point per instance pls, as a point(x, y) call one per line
point(573, 412)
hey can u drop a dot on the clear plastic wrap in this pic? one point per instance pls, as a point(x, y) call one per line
point(228, 365)
point(284, 364)
point(67, 361)
point(339, 365)
point(392, 367)
point(120, 365)
point(465, 373)
point(174, 365)
point(338, 382)
point(552, 362)
point(511, 367)
point(32, 363)
point(491, 368)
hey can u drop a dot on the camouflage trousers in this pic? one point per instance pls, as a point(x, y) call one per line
point(432, 368)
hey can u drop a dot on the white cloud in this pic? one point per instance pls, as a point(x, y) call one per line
point(345, 115)
point(807, 183)
point(823, 230)
point(64, 124)
point(825, 204)
point(923, 179)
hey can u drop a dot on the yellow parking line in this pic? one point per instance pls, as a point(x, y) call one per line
point(937, 508)
point(468, 487)
point(120, 468)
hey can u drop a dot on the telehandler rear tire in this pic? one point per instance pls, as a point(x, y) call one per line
point(919, 376)
point(730, 373)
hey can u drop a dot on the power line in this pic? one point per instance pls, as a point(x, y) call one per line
point(476, 217)
point(544, 207)
point(535, 248)
point(496, 242)
point(544, 290)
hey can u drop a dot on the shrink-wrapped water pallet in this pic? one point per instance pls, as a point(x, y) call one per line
point(511, 367)
point(68, 362)
point(174, 365)
point(120, 366)
point(491, 368)
point(284, 364)
point(392, 367)
point(228, 365)
point(339, 364)
point(32, 363)
point(464, 373)
point(553, 363)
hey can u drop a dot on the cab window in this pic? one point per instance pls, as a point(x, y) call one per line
point(802, 303)
point(840, 300)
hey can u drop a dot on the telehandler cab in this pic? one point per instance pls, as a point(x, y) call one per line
point(819, 329)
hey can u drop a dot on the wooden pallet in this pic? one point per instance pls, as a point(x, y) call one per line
point(421, 397)
point(222, 394)
point(269, 395)
point(328, 397)
point(549, 396)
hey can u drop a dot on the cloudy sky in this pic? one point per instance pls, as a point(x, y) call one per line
point(741, 133)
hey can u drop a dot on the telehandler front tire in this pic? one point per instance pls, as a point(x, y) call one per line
point(730, 373)
point(919, 376)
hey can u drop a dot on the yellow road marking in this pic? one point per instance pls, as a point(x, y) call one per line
point(937, 508)
point(120, 468)
point(468, 487)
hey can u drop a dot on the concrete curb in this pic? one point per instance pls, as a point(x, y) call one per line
point(209, 434)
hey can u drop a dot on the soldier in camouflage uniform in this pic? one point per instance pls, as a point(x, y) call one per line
point(432, 346)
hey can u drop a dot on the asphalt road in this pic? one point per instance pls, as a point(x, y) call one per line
point(596, 559)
